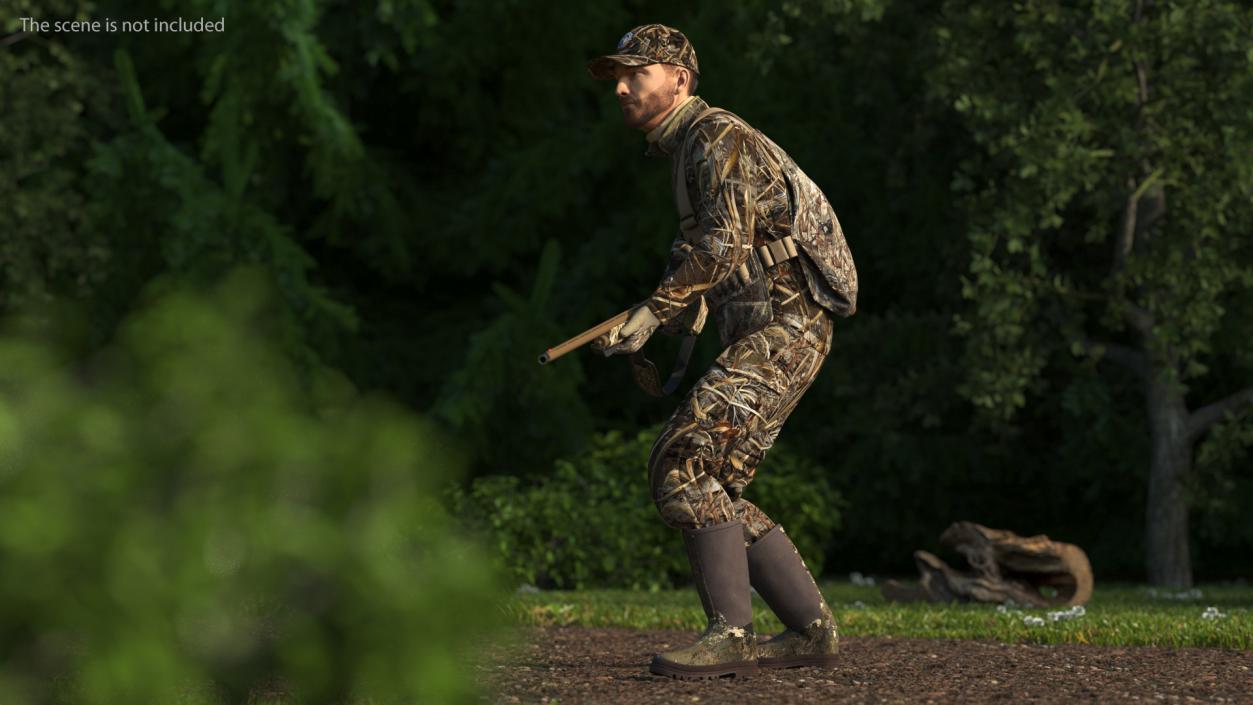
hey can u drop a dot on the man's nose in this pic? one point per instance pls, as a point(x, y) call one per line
point(621, 89)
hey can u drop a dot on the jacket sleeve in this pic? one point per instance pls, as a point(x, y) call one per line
point(730, 178)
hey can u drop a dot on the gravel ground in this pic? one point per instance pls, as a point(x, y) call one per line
point(569, 665)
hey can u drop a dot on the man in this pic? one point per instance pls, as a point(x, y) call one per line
point(759, 248)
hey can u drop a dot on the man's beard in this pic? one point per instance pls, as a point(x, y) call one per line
point(651, 106)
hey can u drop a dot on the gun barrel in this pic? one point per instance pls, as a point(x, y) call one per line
point(583, 338)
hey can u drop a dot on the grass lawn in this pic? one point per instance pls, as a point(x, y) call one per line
point(1117, 615)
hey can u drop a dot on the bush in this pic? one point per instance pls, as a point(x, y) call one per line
point(189, 525)
point(591, 522)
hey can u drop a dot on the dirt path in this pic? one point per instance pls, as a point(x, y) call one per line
point(601, 666)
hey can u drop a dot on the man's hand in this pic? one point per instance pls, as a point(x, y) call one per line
point(630, 336)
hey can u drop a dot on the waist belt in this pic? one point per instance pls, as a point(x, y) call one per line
point(769, 255)
point(777, 251)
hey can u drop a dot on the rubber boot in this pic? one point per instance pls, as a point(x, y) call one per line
point(781, 578)
point(728, 646)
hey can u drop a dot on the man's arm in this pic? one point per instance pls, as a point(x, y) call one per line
point(689, 320)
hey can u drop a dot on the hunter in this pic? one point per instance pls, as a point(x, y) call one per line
point(760, 250)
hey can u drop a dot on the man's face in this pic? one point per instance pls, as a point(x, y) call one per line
point(645, 94)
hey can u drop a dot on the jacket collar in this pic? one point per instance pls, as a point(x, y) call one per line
point(664, 139)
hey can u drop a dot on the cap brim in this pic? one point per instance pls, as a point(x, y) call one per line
point(601, 68)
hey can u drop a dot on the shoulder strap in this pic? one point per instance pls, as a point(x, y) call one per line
point(645, 372)
point(687, 216)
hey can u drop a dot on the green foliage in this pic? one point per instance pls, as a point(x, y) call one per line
point(592, 523)
point(196, 227)
point(44, 248)
point(1134, 109)
point(105, 219)
point(181, 522)
point(1222, 483)
point(515, 412)
point(274, 67)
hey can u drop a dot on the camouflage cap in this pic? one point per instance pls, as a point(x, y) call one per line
point(646, 44)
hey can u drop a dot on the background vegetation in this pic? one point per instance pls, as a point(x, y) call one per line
point(587, 524)
point(1048, 208)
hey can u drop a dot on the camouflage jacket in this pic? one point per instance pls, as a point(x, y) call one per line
point(744, 192)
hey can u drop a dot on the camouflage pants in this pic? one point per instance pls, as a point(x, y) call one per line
point(710, 448)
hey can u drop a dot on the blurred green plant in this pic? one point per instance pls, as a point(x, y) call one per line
point(590, 523)
point(182, 521)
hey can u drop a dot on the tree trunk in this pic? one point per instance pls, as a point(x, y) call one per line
point(1166, 519)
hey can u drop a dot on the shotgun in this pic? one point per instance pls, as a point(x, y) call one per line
point(583, 338)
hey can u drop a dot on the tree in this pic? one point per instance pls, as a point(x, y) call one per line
point(1109, 217)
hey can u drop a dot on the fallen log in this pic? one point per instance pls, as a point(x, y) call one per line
point(1028, 570)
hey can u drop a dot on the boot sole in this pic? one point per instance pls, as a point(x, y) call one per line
point(826, 660)
point(740, 669)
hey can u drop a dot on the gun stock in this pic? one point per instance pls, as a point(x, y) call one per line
point(583, 338)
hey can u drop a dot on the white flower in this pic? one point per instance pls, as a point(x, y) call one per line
point(1031, 621)
point(857, 578)
point(1063, 615)
point(1212, 613)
